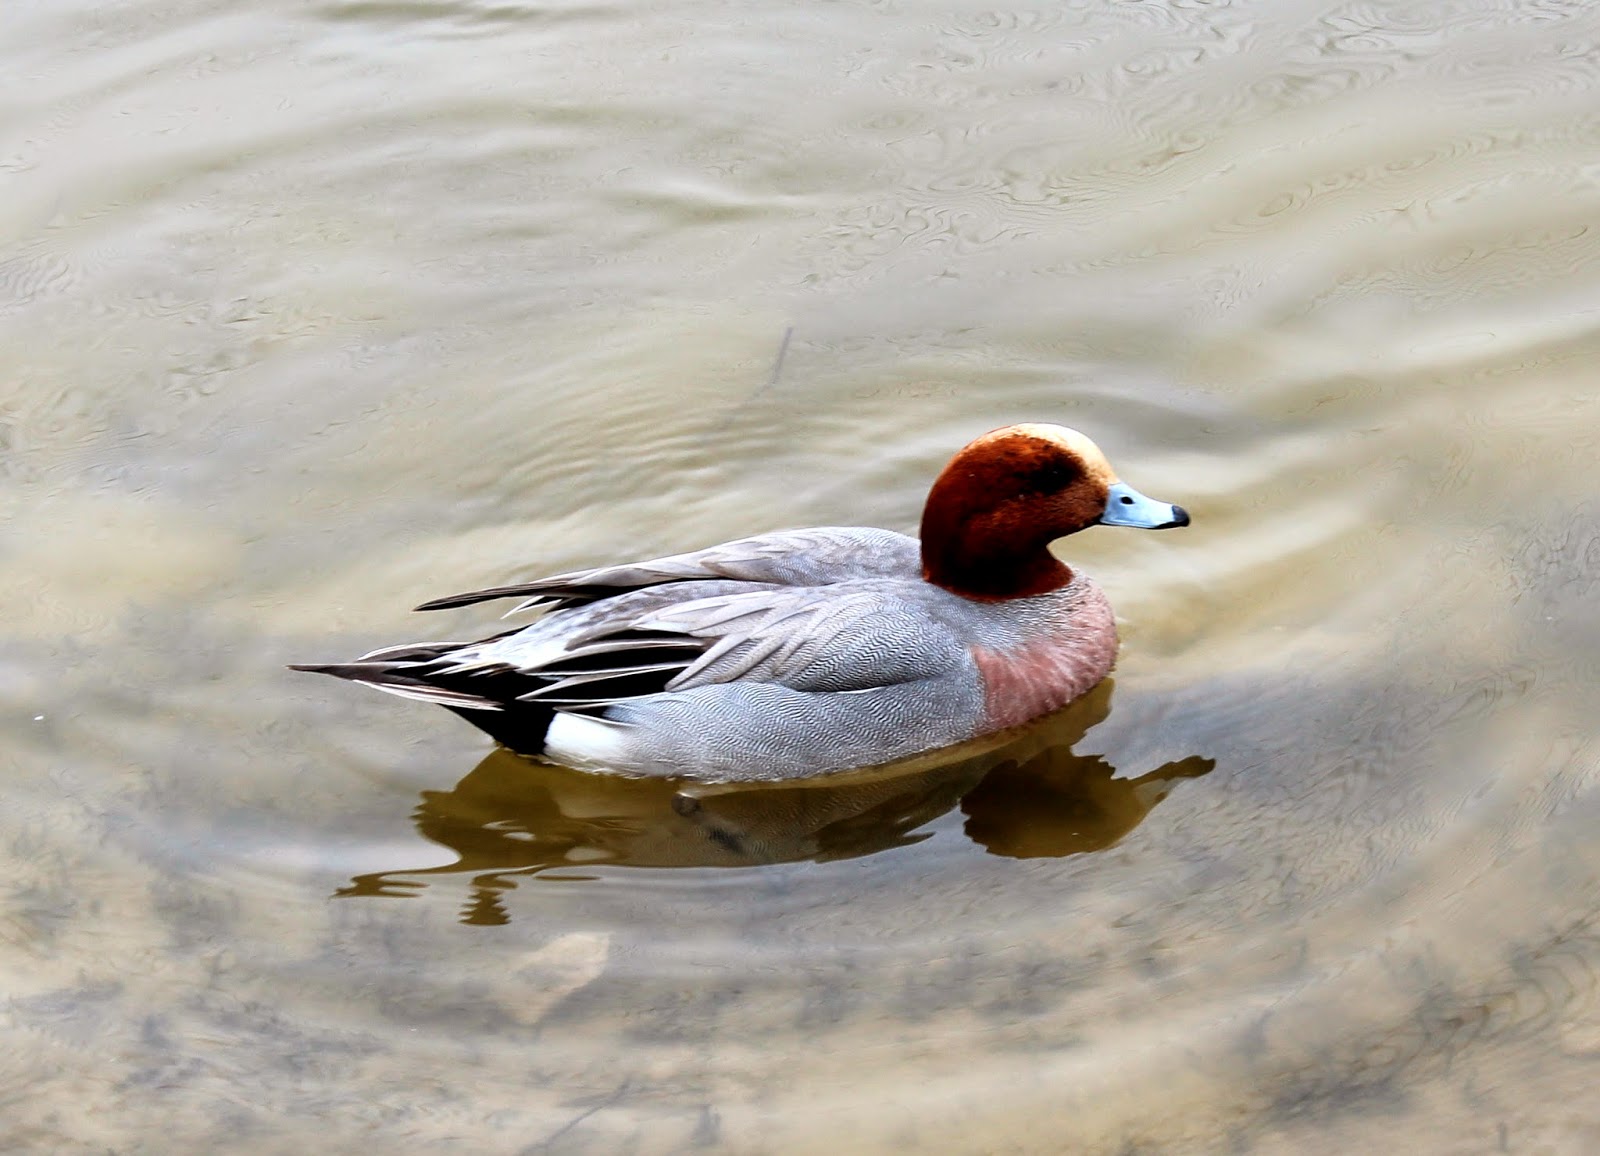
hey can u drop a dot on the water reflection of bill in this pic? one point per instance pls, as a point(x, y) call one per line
point(1023, 794)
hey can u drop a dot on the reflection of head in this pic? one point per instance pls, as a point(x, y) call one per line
point(1058, 803)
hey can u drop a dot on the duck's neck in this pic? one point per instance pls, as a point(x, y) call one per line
point(990, 556)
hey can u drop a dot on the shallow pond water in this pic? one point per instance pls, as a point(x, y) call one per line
point(312, 311)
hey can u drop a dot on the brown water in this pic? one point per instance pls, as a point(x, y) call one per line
point(310, 311)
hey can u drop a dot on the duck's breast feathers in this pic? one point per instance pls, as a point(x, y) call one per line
point(1057, 647)
point(819, 556)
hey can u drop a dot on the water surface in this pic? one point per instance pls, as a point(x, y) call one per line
point(312, 311)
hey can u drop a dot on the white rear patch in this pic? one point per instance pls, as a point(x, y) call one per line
point(588, 743)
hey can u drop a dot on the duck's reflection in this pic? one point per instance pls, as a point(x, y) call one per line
point(1024, 796)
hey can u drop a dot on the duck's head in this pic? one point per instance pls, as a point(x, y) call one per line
point(1002, 500)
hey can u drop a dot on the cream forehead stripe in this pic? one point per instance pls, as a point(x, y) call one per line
point(1075, 443)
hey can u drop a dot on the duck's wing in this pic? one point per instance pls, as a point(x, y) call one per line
point(593, 657)
point(869, 635)
point(814, 557)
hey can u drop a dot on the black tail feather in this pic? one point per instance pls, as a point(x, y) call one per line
point(522, 726)
point(485, 698)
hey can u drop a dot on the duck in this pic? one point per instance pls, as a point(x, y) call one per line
point(798, 653)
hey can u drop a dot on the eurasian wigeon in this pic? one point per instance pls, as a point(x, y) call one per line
point(803, 652)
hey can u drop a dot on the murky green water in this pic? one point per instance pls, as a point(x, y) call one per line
point(309, 312)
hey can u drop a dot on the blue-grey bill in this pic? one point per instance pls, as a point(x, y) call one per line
point(1126, 506)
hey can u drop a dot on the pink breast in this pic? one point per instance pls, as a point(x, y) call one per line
point(1036, 678)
